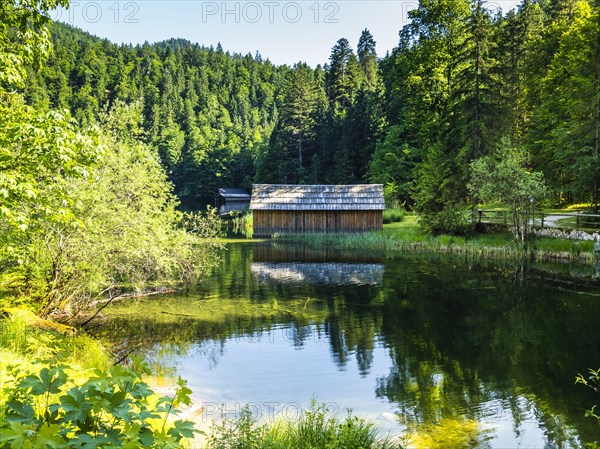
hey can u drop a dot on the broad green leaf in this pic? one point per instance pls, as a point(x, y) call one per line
point(48, 437)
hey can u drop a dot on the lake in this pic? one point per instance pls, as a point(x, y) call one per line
point(415, 343)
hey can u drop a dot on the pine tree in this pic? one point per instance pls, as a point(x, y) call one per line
point(566, 126)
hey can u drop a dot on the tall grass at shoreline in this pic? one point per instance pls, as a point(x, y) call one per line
point(24, 337)
point(407, 236)
point(315, 429)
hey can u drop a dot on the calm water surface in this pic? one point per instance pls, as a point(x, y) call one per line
point(405, 342)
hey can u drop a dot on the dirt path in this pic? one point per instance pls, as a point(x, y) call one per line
point(552, 221)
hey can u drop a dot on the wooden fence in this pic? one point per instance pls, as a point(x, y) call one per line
point(541, 220)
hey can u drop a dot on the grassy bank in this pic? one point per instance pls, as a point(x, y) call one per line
point(407, 235)
point(25, 338)
point(60, 388)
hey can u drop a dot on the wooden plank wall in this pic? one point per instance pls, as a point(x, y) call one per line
point(267, 222)
point(268, 252)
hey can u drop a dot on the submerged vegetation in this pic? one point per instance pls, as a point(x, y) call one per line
point(449, 434)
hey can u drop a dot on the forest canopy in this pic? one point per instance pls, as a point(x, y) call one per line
point(465, 81)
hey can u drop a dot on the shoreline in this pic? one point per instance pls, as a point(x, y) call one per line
point(406, 236)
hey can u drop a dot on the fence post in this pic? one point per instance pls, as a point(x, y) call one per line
point(577, 223)
point(542, 219)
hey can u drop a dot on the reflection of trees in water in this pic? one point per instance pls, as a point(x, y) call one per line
point(472, 338)
point(465, 341)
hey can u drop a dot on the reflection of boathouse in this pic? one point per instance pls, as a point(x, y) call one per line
point(232, 201)
point(290, 263)
point(298, 209)
point(270, 251)
point(331, 273)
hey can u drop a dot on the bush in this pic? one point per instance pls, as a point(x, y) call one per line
point(124, 231)
point(393, 215)
point(452, 219)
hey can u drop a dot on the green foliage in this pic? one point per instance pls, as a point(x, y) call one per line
point(564, 136)
point(447, 240)
point(293, 144)
point(462, 78)
point(393, 215)
point(592, 381)
point(564, 246)
point(393, 164)
point(239, 433)
point(124, 233)
point(114, 408)
point(329, 120)
point(39, 154)
point(25, 337)
point(24, 38)
point(206, 225)
point(408, 235)
point(438, 194)
point(506, 180)
point(243, 225)
point(453, 218)
point(205, 112)
point(315, 429)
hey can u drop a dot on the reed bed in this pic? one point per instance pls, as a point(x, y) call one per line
point(394, 241)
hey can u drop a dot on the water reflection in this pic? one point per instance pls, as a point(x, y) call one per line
point(319, 273)
point(432, 341)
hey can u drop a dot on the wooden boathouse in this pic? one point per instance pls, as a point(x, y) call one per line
point(230, 201)
point(297, 209)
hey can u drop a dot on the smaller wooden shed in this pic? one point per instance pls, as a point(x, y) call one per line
point(232, 200)
point(297, 209)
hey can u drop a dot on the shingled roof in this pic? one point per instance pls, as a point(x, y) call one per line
point(317, 197)
point(235, 194)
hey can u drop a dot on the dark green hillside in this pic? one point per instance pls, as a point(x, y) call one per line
point(206, 112)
